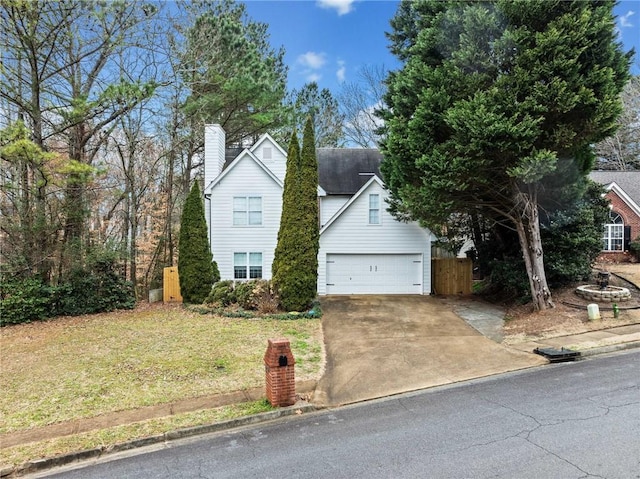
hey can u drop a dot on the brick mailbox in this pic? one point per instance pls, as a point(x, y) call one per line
point(280, 375)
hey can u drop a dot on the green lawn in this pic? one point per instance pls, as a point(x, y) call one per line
point(81, 367)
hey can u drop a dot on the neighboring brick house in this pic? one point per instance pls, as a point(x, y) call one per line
point(623, 191)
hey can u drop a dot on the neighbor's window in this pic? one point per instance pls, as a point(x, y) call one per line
point(613, 233)
point(374, 209)
point(247, 210)
point(247, 265)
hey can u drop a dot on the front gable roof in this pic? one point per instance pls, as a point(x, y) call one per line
point(269, 138)
point(360, 192)
point(246, 153)
point(626, 184)
point(625, 197)
point(341, 171)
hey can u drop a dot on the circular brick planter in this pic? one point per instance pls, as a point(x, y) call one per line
point(611, 294)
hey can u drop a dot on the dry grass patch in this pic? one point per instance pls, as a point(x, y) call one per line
point(568, 317)
point(85, 366)
point(108, 437)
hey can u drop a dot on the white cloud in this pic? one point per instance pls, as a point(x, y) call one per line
point(341, 72)
point(312, 60)
point(624, 19)
point(310, 64)
point(341, 6)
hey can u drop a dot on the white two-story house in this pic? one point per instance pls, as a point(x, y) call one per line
point(363, 249)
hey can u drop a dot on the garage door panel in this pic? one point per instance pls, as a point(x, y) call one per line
point(374, 273)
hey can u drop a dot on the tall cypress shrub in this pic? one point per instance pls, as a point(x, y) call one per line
point(295, 265)
point(309, 220)
point(286, 247)
point(195, 265)
point(285, 262)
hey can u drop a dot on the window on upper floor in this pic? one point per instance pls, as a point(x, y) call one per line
point(613, 237)
point(374, 209)
point(247, 211)
point(267, 153)
point(247, 265)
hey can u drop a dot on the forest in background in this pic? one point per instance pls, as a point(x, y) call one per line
point(103, 106)
point(103, 110)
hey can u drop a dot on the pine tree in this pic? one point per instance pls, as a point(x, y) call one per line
point(195, 265)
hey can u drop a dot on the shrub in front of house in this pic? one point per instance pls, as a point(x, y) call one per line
point(195, 261)
point(242, 294)
point(295, 265)
point(634, 247)
point(221, 294)
point(255, 295)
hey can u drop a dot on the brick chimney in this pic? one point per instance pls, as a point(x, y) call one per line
point(214, 147)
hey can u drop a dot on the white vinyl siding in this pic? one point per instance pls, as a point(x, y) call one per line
point(348, 234)
point(329, 206)
point(246, 179)
point(271, 156)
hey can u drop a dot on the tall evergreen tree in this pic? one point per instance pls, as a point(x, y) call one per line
point(496, 109)
point(284, 260)
point(195, 266)
point(324, 110)
point(234, 76)
point(295, 265)
point(309, 221)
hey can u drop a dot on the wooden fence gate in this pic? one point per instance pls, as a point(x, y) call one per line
point(451, 275)
point(171, 285)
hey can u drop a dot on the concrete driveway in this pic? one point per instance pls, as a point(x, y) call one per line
point(377, 346)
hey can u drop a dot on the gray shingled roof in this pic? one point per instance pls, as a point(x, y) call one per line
point(343, 171)
point(629, 181)
point(231, 154)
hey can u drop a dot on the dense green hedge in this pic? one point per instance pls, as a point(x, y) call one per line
point(84, 292)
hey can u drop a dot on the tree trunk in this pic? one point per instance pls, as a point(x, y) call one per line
point(528, 227)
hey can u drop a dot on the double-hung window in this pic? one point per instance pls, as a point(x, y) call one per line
point(247, 265)
point(247, 211)
point(613, 237)
point(374, 209)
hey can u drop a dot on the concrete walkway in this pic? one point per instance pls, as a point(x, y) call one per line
point(383, 345)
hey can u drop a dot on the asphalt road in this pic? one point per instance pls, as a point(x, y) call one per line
point(571, 420)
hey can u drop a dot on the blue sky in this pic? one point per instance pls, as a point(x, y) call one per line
point(330, 40)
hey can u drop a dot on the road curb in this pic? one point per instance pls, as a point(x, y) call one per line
point(38, 465)
point(612, 348)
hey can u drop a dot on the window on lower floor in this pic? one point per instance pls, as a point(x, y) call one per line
point(613, 237)
point(247, 265)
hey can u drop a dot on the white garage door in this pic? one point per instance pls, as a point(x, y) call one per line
point(374, 274)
